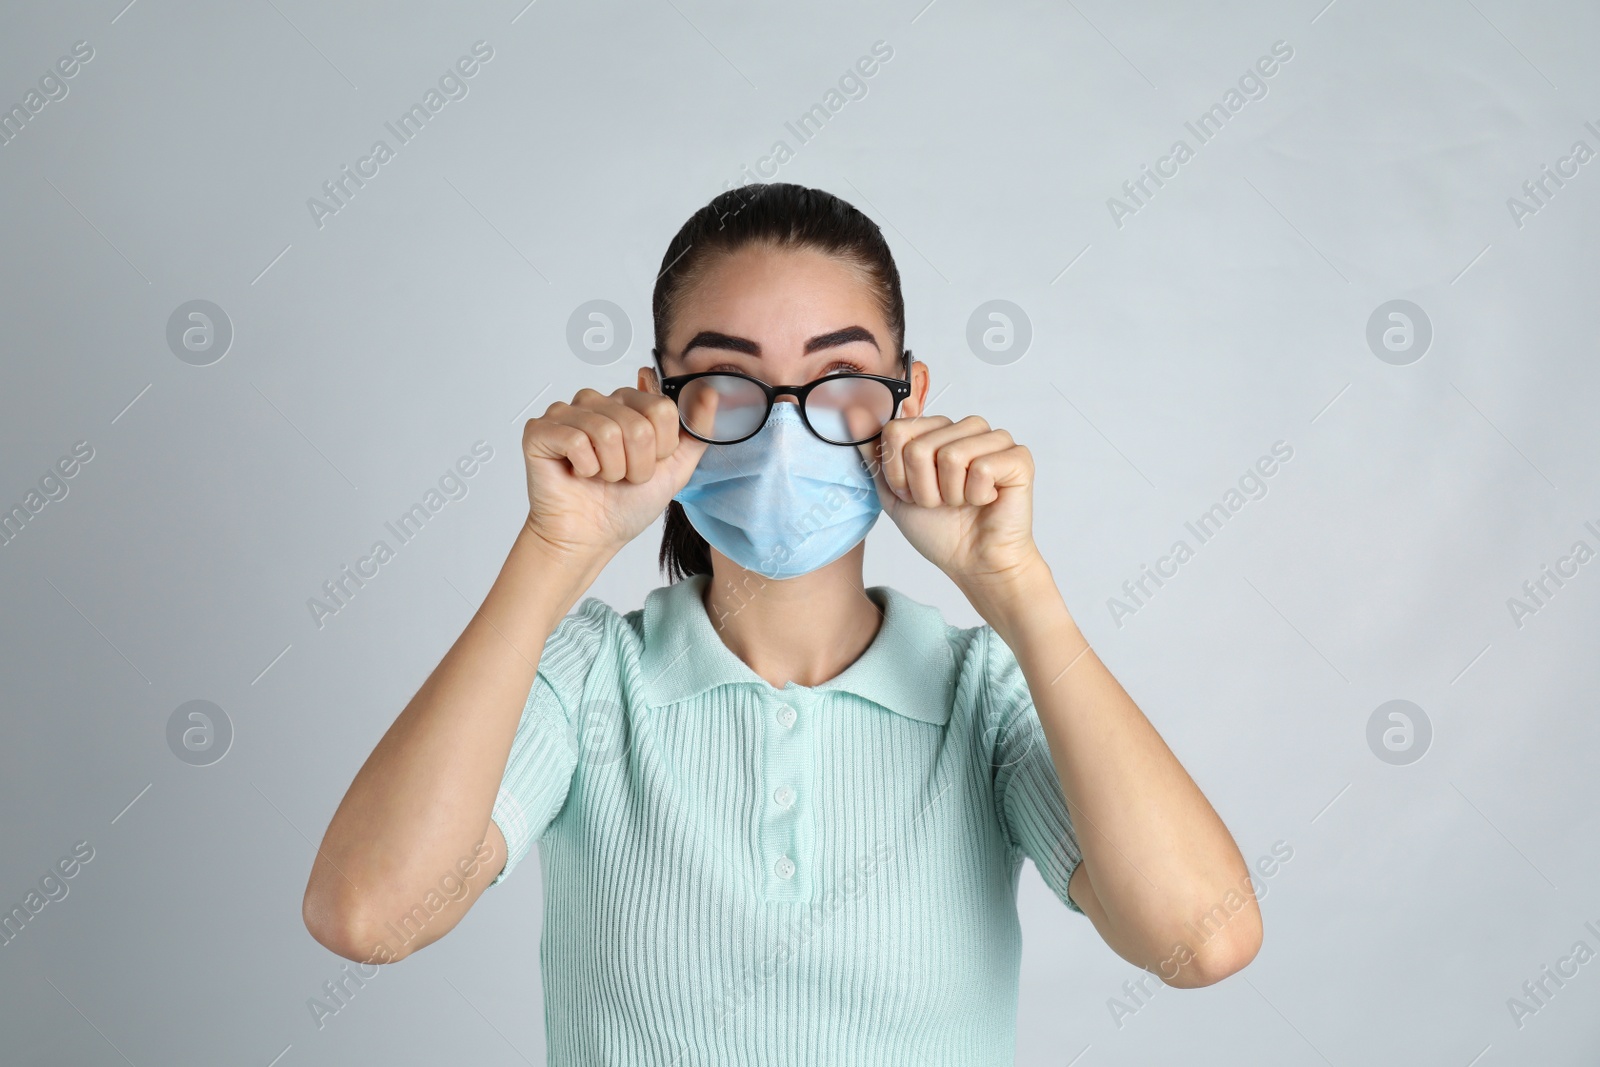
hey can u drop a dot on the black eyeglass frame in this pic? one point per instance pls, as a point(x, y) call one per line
point(900, 388)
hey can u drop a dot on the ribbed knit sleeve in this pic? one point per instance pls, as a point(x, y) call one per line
point(1027, 790)
point(544, 752)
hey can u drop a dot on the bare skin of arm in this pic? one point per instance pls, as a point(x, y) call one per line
point(1158, 863)
point(421, 801)
point(416, 819)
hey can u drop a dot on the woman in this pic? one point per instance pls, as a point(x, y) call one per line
point(780, 816)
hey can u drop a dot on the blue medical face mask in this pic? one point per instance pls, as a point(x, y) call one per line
point(784, 502)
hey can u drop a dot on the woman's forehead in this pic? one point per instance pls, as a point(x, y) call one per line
point(779, 299)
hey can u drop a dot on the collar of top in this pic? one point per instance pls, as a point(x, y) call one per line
point(907, 669)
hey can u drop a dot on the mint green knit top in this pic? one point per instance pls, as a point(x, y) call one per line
point(740, 874)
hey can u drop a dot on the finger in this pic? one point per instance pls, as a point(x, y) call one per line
point(662, 413)
point(638, 440)
point(681, 464)
point(972, 453)
point(994, 471)
point(922, 473)
point(544, 439)
point(605, 436)
point(871, 458)
point(588, 398)
point(954, 459)
point(892, 445)
point(676, 445)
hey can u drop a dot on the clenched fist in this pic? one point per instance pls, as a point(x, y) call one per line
point(601, 468)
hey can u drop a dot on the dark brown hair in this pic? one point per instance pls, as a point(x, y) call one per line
point(780, 215)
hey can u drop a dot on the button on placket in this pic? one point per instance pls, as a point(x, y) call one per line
point(786, 831)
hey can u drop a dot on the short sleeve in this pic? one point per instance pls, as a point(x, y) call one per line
point(544, 752)
point(1028, 797)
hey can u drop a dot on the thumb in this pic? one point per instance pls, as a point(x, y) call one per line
point(679, 466)
point(870, 455)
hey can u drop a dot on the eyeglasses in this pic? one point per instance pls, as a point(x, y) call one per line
point(724, 408)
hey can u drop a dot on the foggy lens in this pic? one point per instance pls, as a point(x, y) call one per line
point(722, 407)
point(847, 411)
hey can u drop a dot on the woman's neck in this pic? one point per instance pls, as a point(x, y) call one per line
point(806, 629)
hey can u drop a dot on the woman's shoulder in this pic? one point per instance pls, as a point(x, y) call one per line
point(592, 640)
point(594, 619)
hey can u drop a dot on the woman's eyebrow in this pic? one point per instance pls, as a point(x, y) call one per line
point(848, 335)
point(833, 339)
point(712, 339)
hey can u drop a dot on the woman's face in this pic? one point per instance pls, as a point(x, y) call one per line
point(786, 317)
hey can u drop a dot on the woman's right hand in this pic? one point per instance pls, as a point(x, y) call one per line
point(601, 468)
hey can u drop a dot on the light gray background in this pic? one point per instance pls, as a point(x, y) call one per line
point(1167, 355)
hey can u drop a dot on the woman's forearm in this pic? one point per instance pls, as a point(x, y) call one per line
point(1158, 860)
point(421, 802)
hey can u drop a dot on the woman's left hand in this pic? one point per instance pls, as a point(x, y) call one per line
point(961, 493)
